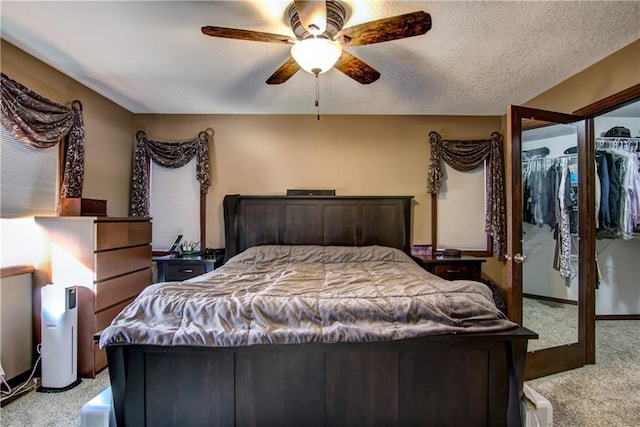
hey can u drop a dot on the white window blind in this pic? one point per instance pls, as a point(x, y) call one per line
point(461, 210)
point(28, 179)
point(174, 204)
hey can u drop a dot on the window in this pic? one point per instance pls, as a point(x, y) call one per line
point(28, 179)
point(461, 210)
point(28, 187)
point(174, 200)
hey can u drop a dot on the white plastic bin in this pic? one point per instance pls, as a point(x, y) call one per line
point(98, 412)
point(539, 412)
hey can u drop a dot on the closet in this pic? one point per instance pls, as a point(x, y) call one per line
point(617, 140)
point(545, 152)
point(602, 278)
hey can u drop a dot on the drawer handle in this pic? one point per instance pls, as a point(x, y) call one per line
point(186, 270)
point(453, 271)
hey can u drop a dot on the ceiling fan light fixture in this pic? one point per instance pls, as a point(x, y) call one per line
point(315, 54)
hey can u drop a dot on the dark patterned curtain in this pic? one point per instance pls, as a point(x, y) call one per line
point(168, 154)
point(40, 123)
point(465, 156)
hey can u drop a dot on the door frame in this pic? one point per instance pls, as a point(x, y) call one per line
point(561, 358)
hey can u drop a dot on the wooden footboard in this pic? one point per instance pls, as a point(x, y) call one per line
point(452, 380)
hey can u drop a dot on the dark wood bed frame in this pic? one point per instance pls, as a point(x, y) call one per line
point(445, 380)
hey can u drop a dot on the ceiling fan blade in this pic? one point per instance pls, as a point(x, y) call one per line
point(312, 13)
point(257, 36)
point(357, 69)
point(284, 73)
point(383, 30)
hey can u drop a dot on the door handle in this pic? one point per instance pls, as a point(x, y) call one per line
point(518, 258)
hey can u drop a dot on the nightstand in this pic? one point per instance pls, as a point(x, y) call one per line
point(453, 268)
point(174, 269)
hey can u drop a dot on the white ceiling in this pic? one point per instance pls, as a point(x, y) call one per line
point(479, 56)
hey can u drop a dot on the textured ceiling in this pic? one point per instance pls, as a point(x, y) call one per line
point(479, 57)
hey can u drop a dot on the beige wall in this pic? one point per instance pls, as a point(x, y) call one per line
point(265, 154)
point(361, 154)
point(108, 127)
point(15, 325)
point(355, 155)
point(611, 75)
point(257, 154)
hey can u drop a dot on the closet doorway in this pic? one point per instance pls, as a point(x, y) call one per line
point(603, 290)
point(617, 147)
point(549, 234)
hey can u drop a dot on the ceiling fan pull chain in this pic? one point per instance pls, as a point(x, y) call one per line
point(318, 93)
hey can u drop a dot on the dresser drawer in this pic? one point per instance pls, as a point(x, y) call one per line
point(454, 271)
point(113, 235)
point(113, 291)
point(104, 318)
point(177, 271)
point(121, 261)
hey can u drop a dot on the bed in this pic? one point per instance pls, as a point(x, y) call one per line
point(319, 317)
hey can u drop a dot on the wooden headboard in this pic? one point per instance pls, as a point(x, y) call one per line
point(317, 220)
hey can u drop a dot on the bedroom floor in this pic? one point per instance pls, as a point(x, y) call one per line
point(555, 323)
point(53, 409)
point(604, 394)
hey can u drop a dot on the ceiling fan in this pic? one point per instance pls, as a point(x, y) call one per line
point(319, 35)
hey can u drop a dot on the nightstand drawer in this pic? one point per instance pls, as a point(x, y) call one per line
point(454, 271)
point(183, 271)
point(174, 269)
point(453, 268)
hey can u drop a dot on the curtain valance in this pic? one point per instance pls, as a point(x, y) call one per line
point(40, 123)
point(467, 155)
point(168, 154)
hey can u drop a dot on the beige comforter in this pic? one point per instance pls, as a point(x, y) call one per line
point(304, 294)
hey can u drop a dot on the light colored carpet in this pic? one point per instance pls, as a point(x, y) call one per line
point(604, 394)
point(37, 409)
point(555, 323)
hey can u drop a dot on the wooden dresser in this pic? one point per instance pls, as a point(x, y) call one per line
point(109, 259)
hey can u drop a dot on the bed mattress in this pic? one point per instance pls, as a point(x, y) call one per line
point(305, 294)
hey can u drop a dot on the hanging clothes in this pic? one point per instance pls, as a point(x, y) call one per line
point(603, 173)
point(619, 201)
point(550, 197)
point(629, 204)
point(564, 233)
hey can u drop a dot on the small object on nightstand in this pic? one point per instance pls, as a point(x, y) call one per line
point(421, 250)
point(188, 249)
point(452, 253)
point(176, 242)
point(76, 206)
